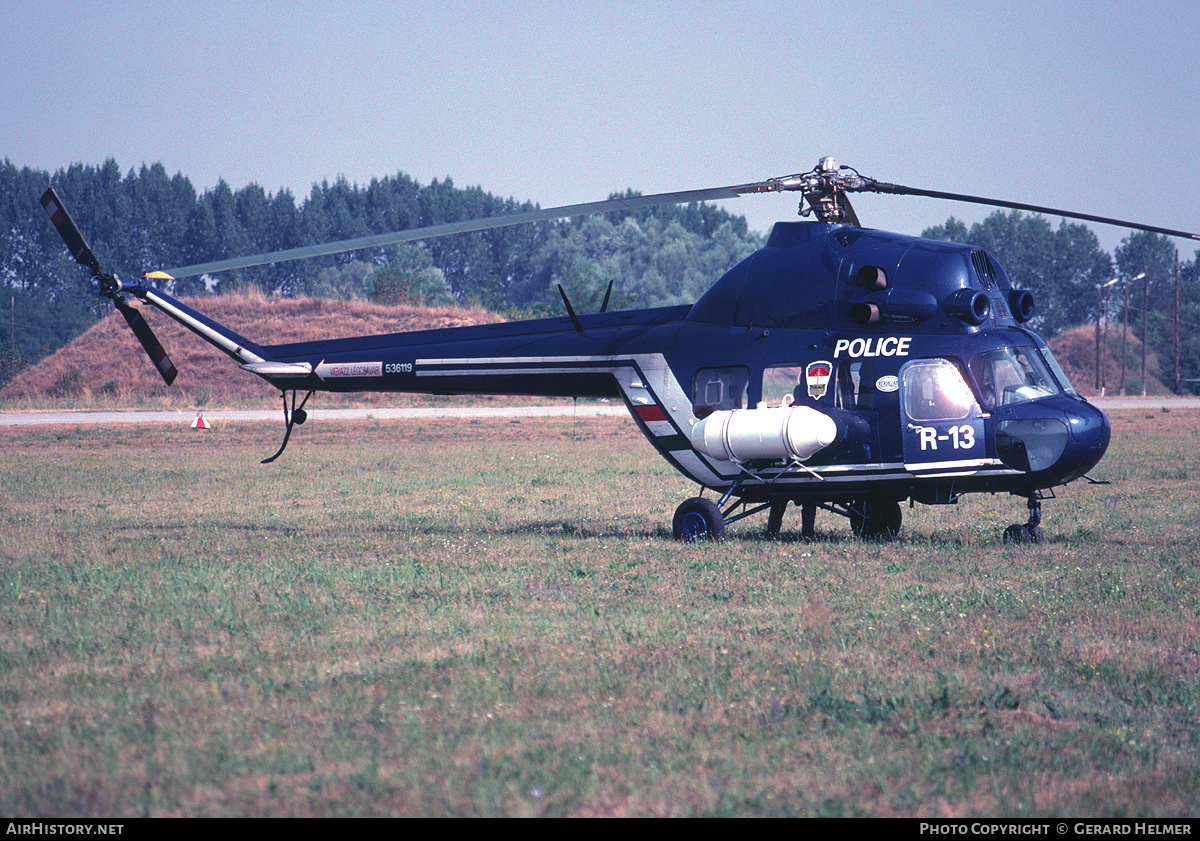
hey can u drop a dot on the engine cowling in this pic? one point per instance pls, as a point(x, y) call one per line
point(784, 432)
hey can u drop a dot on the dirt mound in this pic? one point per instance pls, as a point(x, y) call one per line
point(107, 364)
point(1075, 350)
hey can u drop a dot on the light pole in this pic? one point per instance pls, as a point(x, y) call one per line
point(1125, 329)
point(1102, 368)
point(1145, 313)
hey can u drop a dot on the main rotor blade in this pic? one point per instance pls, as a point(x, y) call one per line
point(485, 224)
point(898, 189)
point(70, 232)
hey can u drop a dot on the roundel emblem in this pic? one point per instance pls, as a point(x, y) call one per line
point(816, 377)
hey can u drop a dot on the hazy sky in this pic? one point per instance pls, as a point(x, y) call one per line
point(1091, 106)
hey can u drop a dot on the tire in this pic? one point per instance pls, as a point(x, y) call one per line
point(698, 519)
point(875, 519)
point(1017, 533)
point(1023, 534)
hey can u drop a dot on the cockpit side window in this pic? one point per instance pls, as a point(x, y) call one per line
point(934, 390)
point(1055, 368)
point(1012, 375)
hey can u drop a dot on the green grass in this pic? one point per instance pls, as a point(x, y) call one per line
point(444, 618)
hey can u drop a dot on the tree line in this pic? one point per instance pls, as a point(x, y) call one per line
point(145, 218)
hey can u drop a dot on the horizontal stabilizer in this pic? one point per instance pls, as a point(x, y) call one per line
point(279, 369)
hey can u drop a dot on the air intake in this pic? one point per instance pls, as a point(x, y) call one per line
point(983, 269)
point(968, 305)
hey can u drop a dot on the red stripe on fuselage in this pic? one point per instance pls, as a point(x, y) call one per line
point(649, 414)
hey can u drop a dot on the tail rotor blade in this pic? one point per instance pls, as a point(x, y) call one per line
point(149, 341)
point(70, 232)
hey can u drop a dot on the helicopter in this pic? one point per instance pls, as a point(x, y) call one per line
point(838, 368)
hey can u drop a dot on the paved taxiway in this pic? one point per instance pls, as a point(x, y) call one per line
point(316, 414)
point(464, 412)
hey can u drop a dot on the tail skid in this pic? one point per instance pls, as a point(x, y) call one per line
point(290, 418)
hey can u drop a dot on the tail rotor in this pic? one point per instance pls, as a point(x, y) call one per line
point(110, 285)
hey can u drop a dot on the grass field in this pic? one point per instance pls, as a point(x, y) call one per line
point(457, 618)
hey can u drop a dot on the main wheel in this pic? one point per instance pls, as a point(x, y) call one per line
point(775, 516)
point(875, 519)
point(698, 519)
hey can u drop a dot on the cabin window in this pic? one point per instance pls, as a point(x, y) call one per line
point(719, 389)
point(934, 390)
point(804, 383)
point(856, 384)
point(1011, 375)
point(782, 381)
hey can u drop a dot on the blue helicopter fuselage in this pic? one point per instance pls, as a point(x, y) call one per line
point(908, 355)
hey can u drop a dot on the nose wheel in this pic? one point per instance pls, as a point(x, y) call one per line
point(1030, 532)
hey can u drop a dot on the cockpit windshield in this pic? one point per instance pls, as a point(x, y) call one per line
point(1012, 375)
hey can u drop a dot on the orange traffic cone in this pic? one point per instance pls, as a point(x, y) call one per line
point(200, 422)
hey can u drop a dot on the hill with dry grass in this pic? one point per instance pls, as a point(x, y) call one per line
point(107, 366)
point(1075, 350)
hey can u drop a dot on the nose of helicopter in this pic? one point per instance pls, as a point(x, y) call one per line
point(1060, 438)
point(1089, 436)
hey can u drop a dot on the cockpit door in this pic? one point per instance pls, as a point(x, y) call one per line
point(941, 422)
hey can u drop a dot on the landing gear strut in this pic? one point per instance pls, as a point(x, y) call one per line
point(1031, 532)
point(870, 518)
point(775, 516)
point(808, 518)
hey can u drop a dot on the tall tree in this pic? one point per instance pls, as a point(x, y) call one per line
point(1151, 298)
point(1189, 318)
